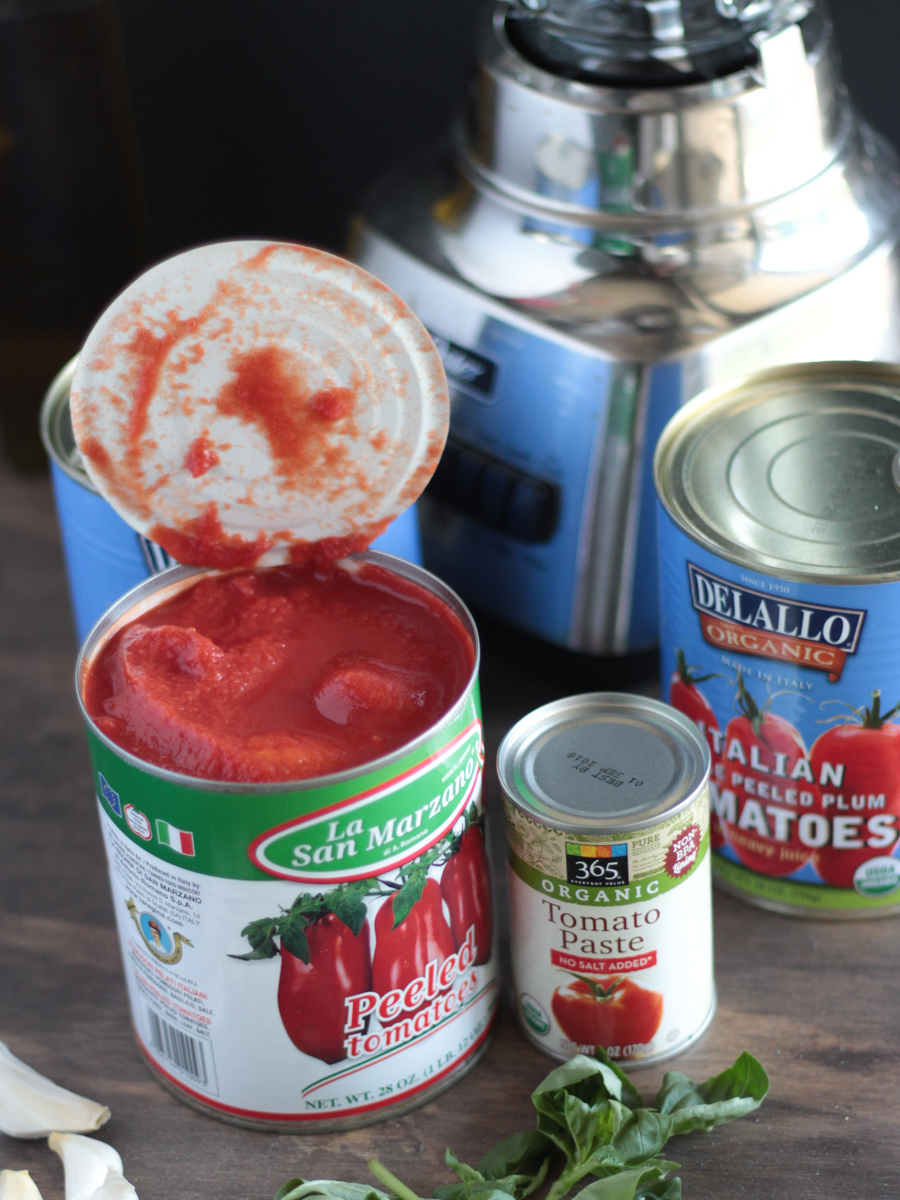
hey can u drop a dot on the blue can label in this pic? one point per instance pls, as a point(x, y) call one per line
point(796, 687)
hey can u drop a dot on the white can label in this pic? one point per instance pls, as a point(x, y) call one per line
point(612, 940)
point(210, 1022)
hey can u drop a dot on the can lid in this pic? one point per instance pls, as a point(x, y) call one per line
point(792, 471)
point(246, 402)
point(603, 760)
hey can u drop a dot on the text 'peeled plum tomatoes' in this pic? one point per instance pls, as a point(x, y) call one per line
point(284, 674)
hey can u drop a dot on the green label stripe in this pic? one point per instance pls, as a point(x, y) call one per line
point(212, 832)
point(631, 893)
point(800, 895)
point(380, 828)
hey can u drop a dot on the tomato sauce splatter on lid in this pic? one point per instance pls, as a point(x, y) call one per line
point(253, 403)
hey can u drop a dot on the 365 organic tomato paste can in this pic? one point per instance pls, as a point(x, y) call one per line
point(607, 826)
point(314, 954)
point(779, 533)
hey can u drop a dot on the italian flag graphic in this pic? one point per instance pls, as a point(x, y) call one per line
point(179, 840)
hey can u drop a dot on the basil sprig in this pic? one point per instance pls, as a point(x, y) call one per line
point(591, 1121)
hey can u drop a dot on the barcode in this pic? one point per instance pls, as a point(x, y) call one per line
point(179, 1048)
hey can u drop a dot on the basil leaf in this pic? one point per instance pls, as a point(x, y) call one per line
point(642, 1136)
point(735, 1092)
point(583, 1125)
point(613, 1187)
point(298, 1189)
point(610, 1115)
point(536, 1180)
point(287, 1188)
point(483, 1189)
point(617, 1082)
point(466, 1173)
point(574, 1071)
point(592, 1079)
point(659, 1189)
point(449, 1191)
point(653, 1168)
point(475, 1184)
point(525, 1153)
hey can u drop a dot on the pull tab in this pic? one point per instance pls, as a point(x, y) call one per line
point(895, 470)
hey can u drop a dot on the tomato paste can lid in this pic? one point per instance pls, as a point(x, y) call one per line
point(261, 397)
point(601, 761)
point(791, 471)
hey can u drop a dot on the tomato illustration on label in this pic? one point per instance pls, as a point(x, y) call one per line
point(311, 994)
point(325, 959)
point(862, 757)
point(614, 1013)
point(407, 940)
point(466, 889)
point(689, 700)
point(332, 978)
point(768, 786)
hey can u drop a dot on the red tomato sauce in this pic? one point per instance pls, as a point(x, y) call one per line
point(289, 673)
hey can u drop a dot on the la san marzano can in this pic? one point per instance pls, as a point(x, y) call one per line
point(195, 864)
point(607, 826)
point(780, 583)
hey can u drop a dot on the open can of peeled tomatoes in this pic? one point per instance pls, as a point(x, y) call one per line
point(285, 735)
point(314, 954)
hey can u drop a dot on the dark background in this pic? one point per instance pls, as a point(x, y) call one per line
point(269, 117)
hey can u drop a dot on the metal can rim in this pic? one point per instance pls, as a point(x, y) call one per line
point(542, 716)
point(55, 400)
point(179, 578)
point(719, 396)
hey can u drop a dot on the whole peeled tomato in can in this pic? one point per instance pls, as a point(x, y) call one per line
point(286, 741)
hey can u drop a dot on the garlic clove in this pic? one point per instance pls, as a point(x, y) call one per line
point(18, 1185)
point(32, 1106)
point(85, 1162)
point(115, 1187)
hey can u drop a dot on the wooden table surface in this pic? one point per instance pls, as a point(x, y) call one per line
point(818, 1003)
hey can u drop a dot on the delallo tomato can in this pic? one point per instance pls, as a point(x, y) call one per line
point(105, 557)
point(607, 827)
point(196, 866)
point(780, 574)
